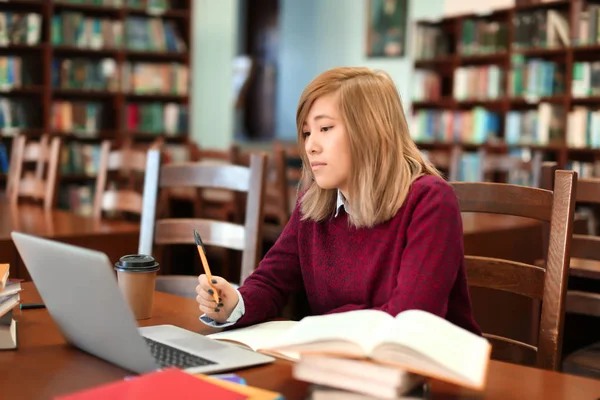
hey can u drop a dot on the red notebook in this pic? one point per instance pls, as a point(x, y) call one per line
point(170, 383)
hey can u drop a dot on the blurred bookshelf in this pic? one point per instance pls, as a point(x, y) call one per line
point(521, 78)
point(92, 70)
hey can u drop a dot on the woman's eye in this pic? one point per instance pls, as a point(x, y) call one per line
point(326, 128)
point(305, 134)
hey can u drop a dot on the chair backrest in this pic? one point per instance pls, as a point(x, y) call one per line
point(507, 163)
point(290, 170)
point(246, 238)
point(584, 248)
point(40, 185)
point(447, 160)
point(127, 161)
point(545, 284)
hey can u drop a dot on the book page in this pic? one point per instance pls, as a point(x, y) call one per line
point(356, 327)
point(257, 336)
point(441, 343)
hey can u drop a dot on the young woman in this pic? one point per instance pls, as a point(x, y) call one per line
point(378, 228)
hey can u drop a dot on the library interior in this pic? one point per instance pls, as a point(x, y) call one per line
point(357, 199)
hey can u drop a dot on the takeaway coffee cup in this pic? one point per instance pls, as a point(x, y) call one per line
point(137, 275)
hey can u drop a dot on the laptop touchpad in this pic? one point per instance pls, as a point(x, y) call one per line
point(197, 343)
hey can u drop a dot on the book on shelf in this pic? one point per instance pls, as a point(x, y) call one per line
point(586, 79)
point(430, 42)
point(75, 29)
point(534, 77)
point(540, 126)
point(475, 126)
point(427, 85)
point(583, 127)
point(541, 28)
point(587, 25)
point(156, 118)
point(152, 34)
point(20, 28)
point(478, 83)
point(479, 36)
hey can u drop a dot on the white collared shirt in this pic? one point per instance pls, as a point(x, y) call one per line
point(341, 202)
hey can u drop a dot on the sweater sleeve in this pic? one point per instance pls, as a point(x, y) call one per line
point(432, 256)
point(266, 291)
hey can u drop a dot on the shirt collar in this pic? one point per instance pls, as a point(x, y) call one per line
point(341, 202)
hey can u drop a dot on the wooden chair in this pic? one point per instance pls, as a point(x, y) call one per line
point(585, 263)
point(246, 238)
point(40, 185)
point(290, 172)
point(506, 164)
point(127, 162)
point(446, 160)
point(545, 284)
point(276, 210)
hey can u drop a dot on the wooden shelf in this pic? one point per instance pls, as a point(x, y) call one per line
point(583, 150)
point(21, 48)
point(591, 100)
point(586, 50)
point(160, 14)
point(535, 101)
point(542, 52)
point(83, 93)
point(154, 55)
point(80, 136)
point(73, 51)
point(433, 62)
point(441, 103)
point(87, 8)
point(145, 136)
point(29, 132)
point(483, 58)
point(156, 97)
point(22, 5)
point(541, 6)
point(36, 89)
point(491, 103)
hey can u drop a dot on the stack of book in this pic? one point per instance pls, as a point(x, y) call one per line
point(370, 354)
point(9, 298)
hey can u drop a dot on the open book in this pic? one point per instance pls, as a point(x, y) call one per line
point(414, 340)
point(259, 337)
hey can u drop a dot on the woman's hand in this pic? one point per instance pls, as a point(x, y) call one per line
point(228, 298)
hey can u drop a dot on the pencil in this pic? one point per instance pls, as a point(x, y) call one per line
point(202, 253)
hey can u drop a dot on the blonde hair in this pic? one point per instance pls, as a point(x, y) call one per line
point(384, 160)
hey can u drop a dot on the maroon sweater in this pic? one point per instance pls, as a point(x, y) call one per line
point(413, 261)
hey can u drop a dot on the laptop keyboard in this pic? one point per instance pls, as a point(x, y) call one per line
point(167, 356)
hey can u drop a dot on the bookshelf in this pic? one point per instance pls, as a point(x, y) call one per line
point(90, 70)
point(525, 77)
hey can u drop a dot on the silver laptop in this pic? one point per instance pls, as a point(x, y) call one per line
point(80, 291)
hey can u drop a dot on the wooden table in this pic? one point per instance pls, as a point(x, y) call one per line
point(115, 238)
point(45, 366)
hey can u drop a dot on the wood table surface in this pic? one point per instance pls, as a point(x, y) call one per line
point(113, 237)
point(45, 366)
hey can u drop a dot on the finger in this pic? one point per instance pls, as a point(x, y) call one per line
point(218, 282)
point(205, 298)
point(209, 310)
